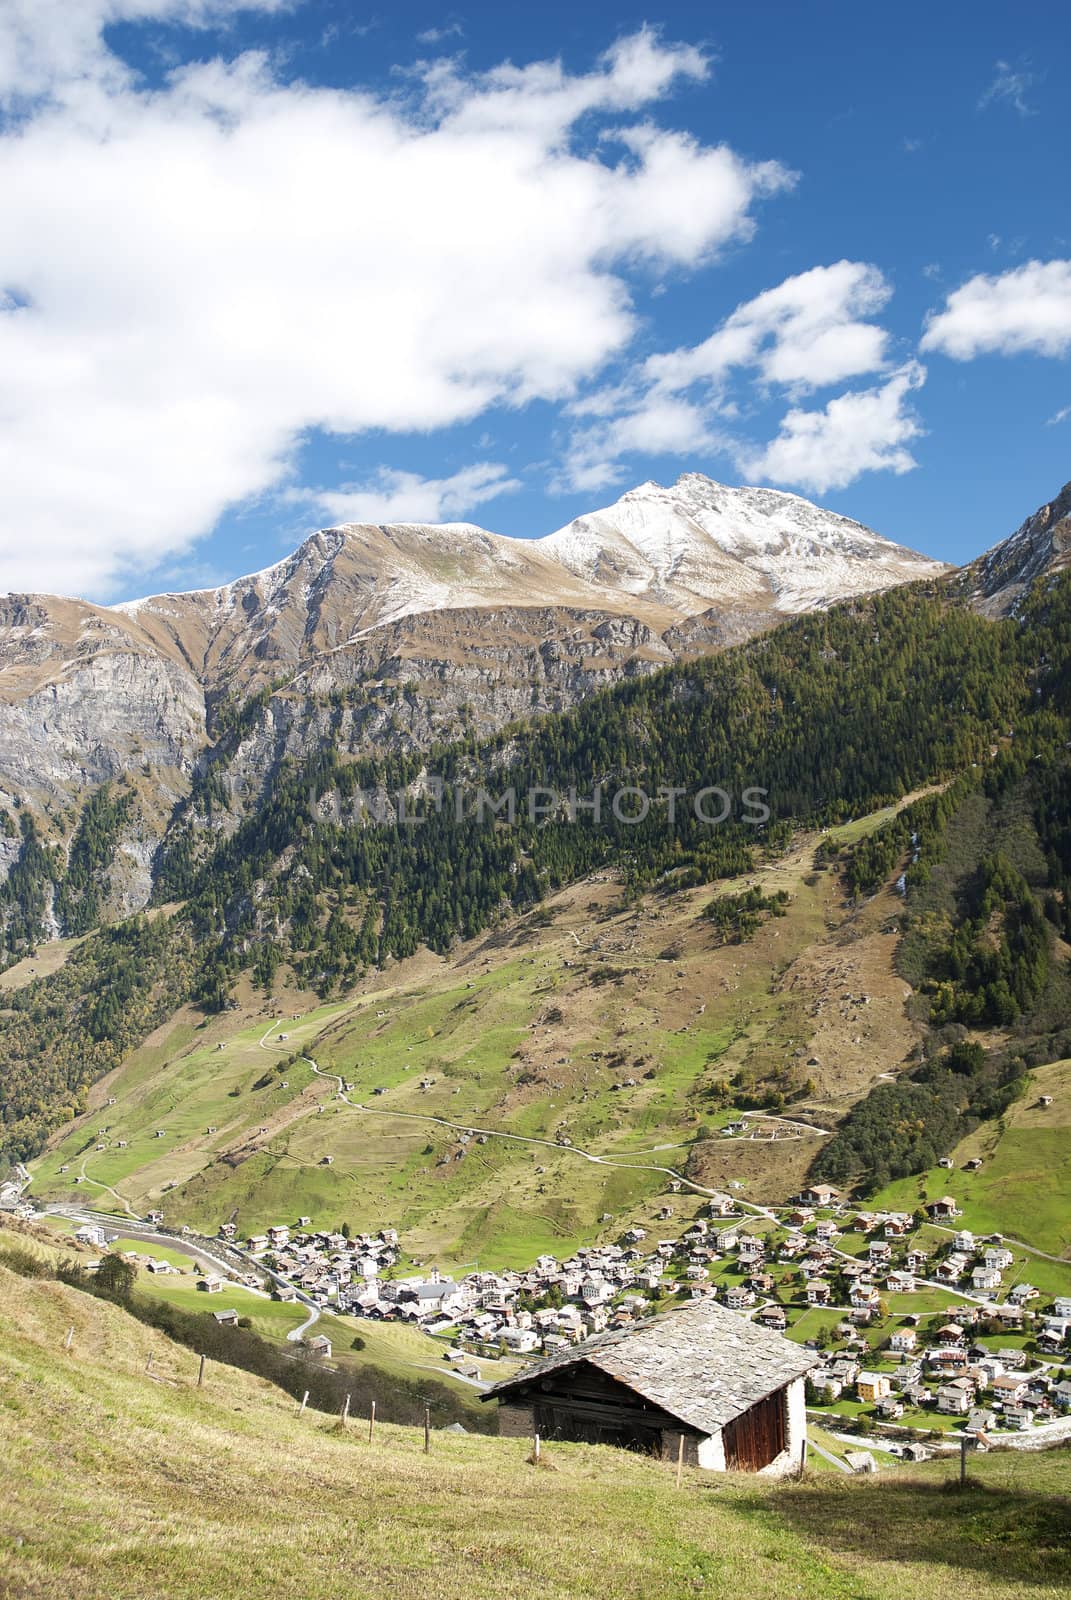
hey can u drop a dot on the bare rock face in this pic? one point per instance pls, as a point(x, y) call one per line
point(102, 717)
point(395, 637)
point(1042, 545)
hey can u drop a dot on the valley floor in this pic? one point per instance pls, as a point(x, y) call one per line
point(120, 1484)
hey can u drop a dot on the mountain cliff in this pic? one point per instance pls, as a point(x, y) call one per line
point(447, 627)
point(998, 579)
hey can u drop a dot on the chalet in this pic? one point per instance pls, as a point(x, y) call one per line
point(986, 1279)
point(954, 1399)
point(904, 1341)
point(737, 1298)
point(773, 1316)
point(210, 1284)
point(226, 1319)
point(732, 1391)
point(943, 1210)
point(1010, 1387)
point(819, 1194)
point(951, 1269)
point(872, 1387)
point(818, 1292)
point(320, 1346)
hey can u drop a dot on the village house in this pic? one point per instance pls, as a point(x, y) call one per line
point(773, 1316)
point(951, 1269)
point(872, 1387)
point(819, 1194)
point(751, 1251)
point(985, 1279)
point(955, 1398)
point(1010, 1387)
point(738, 1298)
point(733, 1391)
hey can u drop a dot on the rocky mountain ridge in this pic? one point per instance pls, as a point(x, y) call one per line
point(395, 637)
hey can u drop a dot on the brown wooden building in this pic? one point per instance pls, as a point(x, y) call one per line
point(732, 1390)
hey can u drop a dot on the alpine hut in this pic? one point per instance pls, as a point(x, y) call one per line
point(734, 1391)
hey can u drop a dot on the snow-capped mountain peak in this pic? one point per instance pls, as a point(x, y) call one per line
point(699, 540)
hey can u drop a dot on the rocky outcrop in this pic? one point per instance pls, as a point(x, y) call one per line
point(1042, 545)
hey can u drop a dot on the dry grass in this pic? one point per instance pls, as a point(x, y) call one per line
point(118, 1487)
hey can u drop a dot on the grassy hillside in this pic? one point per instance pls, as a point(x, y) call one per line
point(122, 1483)
point(1024, 1182)
point(631, 1028)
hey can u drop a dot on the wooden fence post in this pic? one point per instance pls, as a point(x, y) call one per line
point(427, 1430)
point(69, 1338)
point(201, 1373)
point(371, 1422)
point(345, 1411)
point(304, 1403)
point(148, 1362)
point(680, 1460)
point(963, 1461)
point(535, 1451)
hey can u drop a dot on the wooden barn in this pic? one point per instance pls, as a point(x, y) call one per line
point(733, 1391)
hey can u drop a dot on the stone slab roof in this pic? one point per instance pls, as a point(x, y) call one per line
point(701, 1363)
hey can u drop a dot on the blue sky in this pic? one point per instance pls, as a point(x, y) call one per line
point(273, 266)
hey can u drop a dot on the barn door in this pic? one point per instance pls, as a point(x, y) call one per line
point(756, 1437)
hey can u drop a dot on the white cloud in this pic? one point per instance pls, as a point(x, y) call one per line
point(1025, 310)
point(804, 334)
point(200, 275)
point(50, 45)
point(861, 431)
point(652, 425)
point(448, 30)
point(1010, 86)
point(1058, 417)
point(394, 496)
